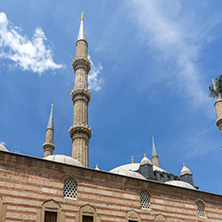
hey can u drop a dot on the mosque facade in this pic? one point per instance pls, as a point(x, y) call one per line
point(60, 188)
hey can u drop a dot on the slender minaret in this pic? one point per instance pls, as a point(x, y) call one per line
point(218, 107)
point(80, 132)
point(48, 146)
point(154, 155)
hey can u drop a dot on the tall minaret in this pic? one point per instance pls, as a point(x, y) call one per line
point(80, 132)
point(218, 107)
point(48, 146)
point(154, 155)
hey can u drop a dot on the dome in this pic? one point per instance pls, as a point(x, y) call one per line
point(130, 166)
point(180, 184)
point(129, 173)
point(2, 148)
point(145, 160)
point(185, 170)
point(156, 168)
point(63, 159)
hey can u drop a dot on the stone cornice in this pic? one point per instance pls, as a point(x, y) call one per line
point(80, 130)
point(48, 146)
point(80, 94)
point(81, 63)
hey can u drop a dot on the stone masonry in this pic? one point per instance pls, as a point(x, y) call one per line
point(80, 132)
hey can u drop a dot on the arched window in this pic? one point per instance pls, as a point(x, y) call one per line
point(50, 211)
point(132, 216)
point(87, 213)
point(201, 208)
point(160, 218)
point(145, 200)
point(70, 189)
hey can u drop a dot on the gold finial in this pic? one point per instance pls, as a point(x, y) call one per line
point(96, 165)
point(153, 139)
point(132, 159)
point(82, 16)
point(184, 164)
point(52, 107)
point(144, 155)
point(213, 82)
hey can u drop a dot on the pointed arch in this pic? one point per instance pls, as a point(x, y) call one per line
point(87, 213)
point(52, 209)
point(200, 208)
point(160, 218)
point(132, 216)
point(145, 200)
point(70, 188)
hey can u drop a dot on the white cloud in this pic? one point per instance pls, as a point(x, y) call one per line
point(178, 35)
point(26, 54)
point(94, 79)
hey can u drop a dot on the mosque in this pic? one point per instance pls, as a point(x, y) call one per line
point(60, 188)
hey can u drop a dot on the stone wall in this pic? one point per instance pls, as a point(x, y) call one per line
point(29, 185)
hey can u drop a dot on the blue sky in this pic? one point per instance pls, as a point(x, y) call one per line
point(152, 64)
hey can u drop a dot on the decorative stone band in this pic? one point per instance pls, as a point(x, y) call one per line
point(80, 94)
point(81, 63)
point(80, 130)
point(217, 100)
point(219, 123)
point(48, 146)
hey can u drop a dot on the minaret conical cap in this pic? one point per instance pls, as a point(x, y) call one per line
point(185, 171)
point(50, 122)
point(154, 153)
point(82, 35)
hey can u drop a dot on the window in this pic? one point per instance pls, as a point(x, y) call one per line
point(70, 189)
point(50, 216)
point(50, 212)
point(144, 200)
point(87, 213)
point(87, 219)
point(201, 208)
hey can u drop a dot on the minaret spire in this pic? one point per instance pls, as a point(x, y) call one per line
point(154, 155)
point(80, 132)
point(48, 146)
point(82, 35)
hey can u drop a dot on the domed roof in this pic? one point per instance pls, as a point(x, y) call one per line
point(130, 166)
point(145, 160)
point(2, 148)
point(63, 159)
point(129, 173)
point(185, 170)
point(179, 183)
point(134, 167)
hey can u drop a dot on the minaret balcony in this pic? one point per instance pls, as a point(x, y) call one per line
point(81, 63)
point(80, 94)
point(80, 130)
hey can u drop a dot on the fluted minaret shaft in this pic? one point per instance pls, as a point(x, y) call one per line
point(48, 146)
point(218, 108)
point(80, 132)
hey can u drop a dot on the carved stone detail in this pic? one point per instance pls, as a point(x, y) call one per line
point(81, 63)
point(76, 131)
point(80, 94)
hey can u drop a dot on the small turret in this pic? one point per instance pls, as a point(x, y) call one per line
point(48, 146)
point(186, 175)
point(146, 167)
point(154, 155)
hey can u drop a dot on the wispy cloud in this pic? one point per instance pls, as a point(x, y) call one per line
point(95, 81)
point(178, 35)
point(26, 54)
